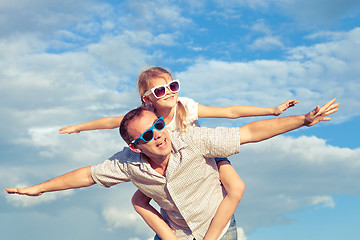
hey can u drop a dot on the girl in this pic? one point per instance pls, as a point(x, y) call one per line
point(159, 91)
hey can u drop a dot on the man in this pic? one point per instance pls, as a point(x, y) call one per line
point(175, 169)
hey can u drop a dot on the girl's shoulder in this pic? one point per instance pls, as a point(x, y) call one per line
point(190, 105)
point(191, 108)
point(187, 101)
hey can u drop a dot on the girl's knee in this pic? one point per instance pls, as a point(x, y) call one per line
point(236, 190)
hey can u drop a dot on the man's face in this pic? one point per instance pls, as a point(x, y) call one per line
point(159, 147)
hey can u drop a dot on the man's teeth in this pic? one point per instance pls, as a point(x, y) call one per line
point(160, 143)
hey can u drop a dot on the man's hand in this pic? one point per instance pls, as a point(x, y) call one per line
point(29, 191)
point(321, 114)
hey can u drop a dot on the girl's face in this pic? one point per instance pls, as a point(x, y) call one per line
point(170, 98)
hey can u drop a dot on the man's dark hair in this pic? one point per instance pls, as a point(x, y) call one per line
point(123, 129)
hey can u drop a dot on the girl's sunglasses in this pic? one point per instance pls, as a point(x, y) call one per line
point(148, 135)
point(160, 91)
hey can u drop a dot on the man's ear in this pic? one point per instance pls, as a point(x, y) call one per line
point(134, 148)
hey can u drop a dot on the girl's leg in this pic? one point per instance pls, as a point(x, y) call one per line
point(235, 188)
point(151, 216)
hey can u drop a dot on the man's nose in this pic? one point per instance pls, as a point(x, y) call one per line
point(157, 133)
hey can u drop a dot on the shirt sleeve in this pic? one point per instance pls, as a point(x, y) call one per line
point(111, 171)
point(216, 142)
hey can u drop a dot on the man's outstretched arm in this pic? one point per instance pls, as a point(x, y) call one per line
point(265, 129)
point(75, 179)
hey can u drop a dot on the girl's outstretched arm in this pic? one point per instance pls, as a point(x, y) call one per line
point(265, 129)
point(243, 111)
point(101, 123)
point(151, 216)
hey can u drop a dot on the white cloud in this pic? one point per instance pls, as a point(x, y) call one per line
point(260, 27)
point(341, 45)
point(42, 17)
point(155, 15)
point(43, 90)
point(306, 12)
point(241, 234)
point(253, 4)
point(165, 39)
point(313, 75)
point(325, 201)
point(82, 148)
point(266, 43)
point(64, 63)
point(314, 13)
point(119, 218)
point(287, 174)
point(59, 222)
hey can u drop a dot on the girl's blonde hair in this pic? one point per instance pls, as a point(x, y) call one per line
point(143, 85)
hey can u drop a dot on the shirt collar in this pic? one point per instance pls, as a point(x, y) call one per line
point(177, 140)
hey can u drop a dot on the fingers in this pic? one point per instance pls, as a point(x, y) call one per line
point(334, 106)
point(331, 111)
point(292, 102)
point(326, 119)
point(68, 129)
point(321, 114)
point(62, 130)
point(316, 110)
point(12, 190)
point(328, 107)
point(328, 104)
point(23, 191)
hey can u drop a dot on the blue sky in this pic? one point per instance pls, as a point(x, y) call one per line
point(66, 62)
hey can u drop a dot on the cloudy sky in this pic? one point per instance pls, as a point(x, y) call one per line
point(67, 62)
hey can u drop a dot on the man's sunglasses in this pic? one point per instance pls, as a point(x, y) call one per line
point(160, 91)
point(148, 135)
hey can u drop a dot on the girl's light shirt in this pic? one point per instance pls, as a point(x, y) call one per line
point(191, 108)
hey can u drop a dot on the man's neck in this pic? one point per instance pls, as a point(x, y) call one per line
point(159, 165)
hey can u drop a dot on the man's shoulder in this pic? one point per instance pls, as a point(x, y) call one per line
point(125, 155)
point(194, 133)
point(200, 132)
point(191, 135)
point(207, 135)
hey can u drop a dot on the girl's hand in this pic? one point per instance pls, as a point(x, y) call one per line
point(282, 107)
point(69, 130)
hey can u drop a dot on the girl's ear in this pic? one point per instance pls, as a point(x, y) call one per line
point(146, 100)
point(134, 148)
